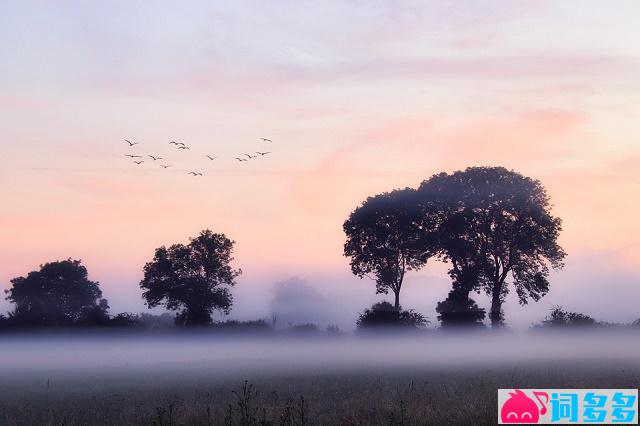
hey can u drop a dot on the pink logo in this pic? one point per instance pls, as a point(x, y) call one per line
point(519, 408)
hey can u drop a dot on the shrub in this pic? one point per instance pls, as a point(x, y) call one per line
point(125, 319)
point(234, 325)
point(385, 315)
point(558, 317)
point(456, 310)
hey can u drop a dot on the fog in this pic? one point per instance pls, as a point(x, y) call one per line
point(294, 301)
point(594, 285)
point(107, 354)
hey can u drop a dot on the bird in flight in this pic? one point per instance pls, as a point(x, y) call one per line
point(211, 158)
point(155, 158)
point(263, 153)
point(131, 143)
point(138, 162)
point(266, 140)
point(173, 142)
point(195, 174)
point(133, 156)
point(241, 159)
point(251, 156)
point(183, 147)
point(165, 166)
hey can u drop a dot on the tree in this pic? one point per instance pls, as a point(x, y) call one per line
point(383, 240)
point(500, 222)
point(558, 317)
point(59, 294)
point(96, 315)
point(193, 279)
point(385, 315)
point(448, 230)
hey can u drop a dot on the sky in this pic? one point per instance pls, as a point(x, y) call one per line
point(358, 97)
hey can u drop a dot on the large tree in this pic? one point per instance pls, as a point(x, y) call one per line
point(508, 231)
point(449, 230)
point(59, 294)
point(383, 241)
point(193, 279)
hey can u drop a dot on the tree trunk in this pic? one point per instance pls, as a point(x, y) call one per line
point(464, 296)
point(397, 295)
point(496, 308)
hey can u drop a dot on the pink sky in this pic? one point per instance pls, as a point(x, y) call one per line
point(359, 98)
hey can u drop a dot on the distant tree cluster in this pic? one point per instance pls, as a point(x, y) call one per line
point(192, 279)
point(59, 294)
point(560, 318)
point(493, 226)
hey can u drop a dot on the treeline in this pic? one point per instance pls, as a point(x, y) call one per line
point(191, 279)
point(493, 227)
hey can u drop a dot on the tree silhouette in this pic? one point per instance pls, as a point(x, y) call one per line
point(558, 317)
point(125, 319)
point(458, 309)
point(496, 225)
point(193, 279)
point(383, 241)
point(59, 294)
point(4, 322)
point(448, 230)
point(385, 315)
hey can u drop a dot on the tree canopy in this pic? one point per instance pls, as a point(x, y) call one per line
point(492, 225)
point(58, 294)
point(497, 225)
point(193, 279)
point(383, 241)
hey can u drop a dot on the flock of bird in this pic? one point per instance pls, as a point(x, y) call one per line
point(138, 159)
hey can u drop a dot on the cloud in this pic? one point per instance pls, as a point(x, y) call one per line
point(403, 152)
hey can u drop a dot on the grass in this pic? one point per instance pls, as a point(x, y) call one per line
point(411, 396)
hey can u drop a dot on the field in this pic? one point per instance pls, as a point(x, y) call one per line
point(185, 381)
